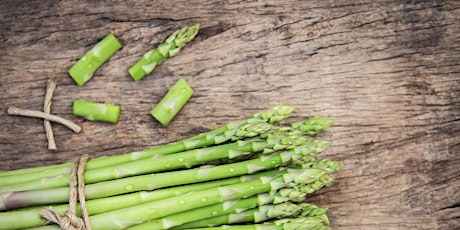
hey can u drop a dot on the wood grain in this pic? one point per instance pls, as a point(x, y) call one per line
point(386, 71)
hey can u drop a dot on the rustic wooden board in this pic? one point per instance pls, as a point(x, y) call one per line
point(387, 72)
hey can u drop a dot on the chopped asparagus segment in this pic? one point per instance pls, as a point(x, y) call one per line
point(83, 70)
point(172, 102)
point(94, 111)
point(169, 48)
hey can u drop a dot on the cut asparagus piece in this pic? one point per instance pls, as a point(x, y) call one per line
point(83, 69)
point(95, 111)
point(172, 102)
point(169, 48)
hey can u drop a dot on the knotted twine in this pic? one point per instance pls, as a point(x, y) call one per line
point(70, 220)
point(46, 115)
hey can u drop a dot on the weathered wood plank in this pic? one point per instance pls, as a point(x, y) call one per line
point(387, 72)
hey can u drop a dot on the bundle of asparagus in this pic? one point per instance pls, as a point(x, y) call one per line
point(251, 174)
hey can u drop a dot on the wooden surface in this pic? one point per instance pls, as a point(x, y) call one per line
point(387, 72)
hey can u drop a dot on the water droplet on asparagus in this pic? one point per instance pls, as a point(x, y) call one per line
point(152, 211)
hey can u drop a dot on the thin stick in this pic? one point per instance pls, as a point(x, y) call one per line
point(33, 113)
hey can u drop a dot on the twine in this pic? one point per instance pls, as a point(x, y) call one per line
point(46, 115)
point(70, 221)
point(34, 113)
point(47, 109)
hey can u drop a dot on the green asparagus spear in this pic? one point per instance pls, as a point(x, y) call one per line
point(160, 163)
point(313, 125)
point(224, 133)
point(246, 214)
point(84, 69)
point(152, 207)
point(299, 223)
point(320, 222)
point(126, 217)
point(218, 209)
point(271, 116)
point(169, 48)
point(154, 181)
point(282, 195)
point(290, 194)
point(21, 219)
point(245, 130)
point(172, 102)
point(254, 215)
point(230, 131)
point(214, 215)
